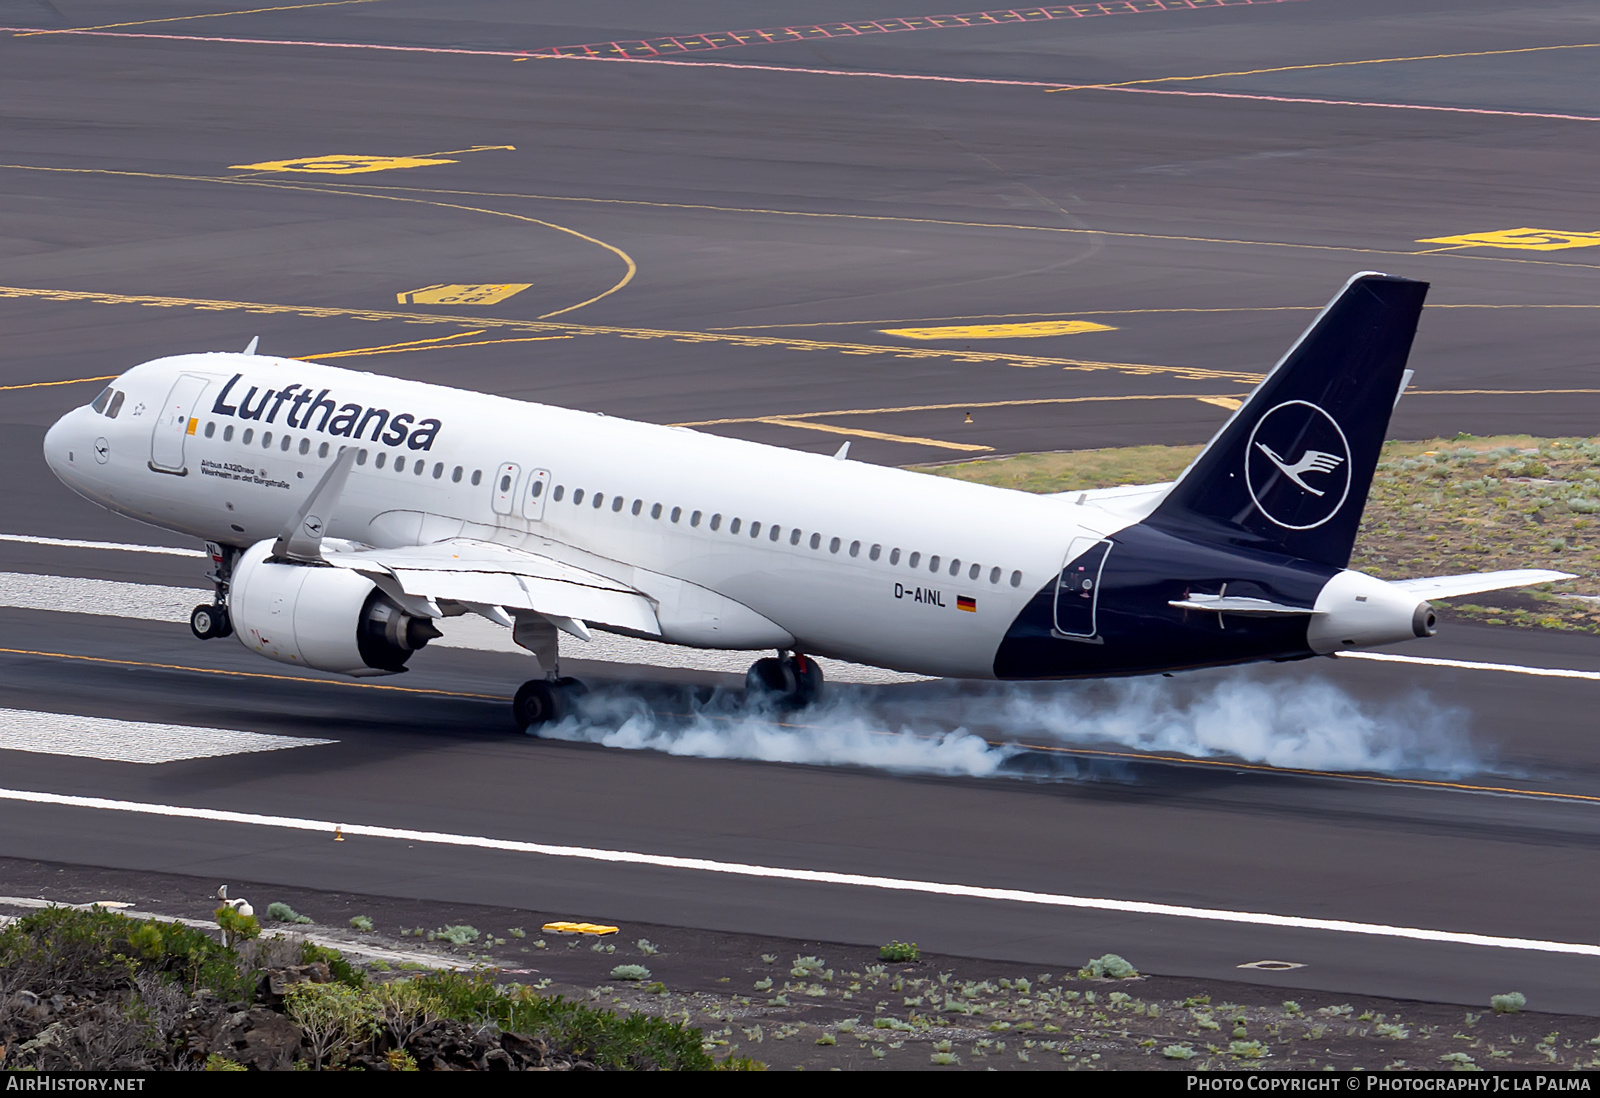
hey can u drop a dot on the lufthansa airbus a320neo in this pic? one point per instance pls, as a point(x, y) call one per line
point(351, 516)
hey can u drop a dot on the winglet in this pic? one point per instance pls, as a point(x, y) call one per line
point(302, 537)
point(844, 452)
point(254, 342)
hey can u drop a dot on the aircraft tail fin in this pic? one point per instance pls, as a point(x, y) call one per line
point(1290, 470)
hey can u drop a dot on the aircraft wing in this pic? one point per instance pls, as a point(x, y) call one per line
point(1445, 587)
point(491, 579)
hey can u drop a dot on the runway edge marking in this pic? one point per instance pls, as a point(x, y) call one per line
point(807, 876)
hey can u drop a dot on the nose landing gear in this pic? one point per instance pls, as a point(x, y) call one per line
point(208, 622)
point(787, 681)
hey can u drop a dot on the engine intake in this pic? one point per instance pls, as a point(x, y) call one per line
point(316, 616)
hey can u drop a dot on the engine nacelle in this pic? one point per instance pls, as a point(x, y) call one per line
point(1355, 610)
point(317, 616)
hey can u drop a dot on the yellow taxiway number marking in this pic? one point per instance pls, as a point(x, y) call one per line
point(69, 381)
point(564, 927)
point(1230, 403)
point(974, 358)
point(462, 294)
point(910, 440)
point(341, 164)
point(207, 15)
point(1036, 330)
point(352, 164)
point(1530, 240)
point(244, 674)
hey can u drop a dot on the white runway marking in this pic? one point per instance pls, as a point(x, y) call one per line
point(155, 602)
point(72, 543)
point(807, 876)
point(1474, 665)
point(130, 741)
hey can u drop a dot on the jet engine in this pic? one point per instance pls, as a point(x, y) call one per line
point(319, 616)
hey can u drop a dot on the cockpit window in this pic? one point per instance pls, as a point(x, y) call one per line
point(116, 404)
point(102, 400)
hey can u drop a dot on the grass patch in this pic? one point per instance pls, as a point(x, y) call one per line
point(1436, 507)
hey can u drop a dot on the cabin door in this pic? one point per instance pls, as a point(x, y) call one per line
point(176, 423)
point(506, 480)
point(1078, 588)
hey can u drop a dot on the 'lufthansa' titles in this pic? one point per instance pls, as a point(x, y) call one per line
point(316, 411)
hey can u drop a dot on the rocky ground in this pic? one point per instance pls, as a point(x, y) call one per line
point(794, 1004)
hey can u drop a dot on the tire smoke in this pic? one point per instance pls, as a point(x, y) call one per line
point(989, 729)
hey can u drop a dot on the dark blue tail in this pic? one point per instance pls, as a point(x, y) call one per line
point(1289, 472)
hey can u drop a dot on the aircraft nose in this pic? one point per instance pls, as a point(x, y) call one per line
point(62, 450)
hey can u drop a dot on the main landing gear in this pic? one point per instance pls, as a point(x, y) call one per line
point(546, 701)
point(787, 681)
point(209, 621)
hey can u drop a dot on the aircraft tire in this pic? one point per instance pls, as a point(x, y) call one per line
point(770, 679)
point(208, 621)
point(807, 679)
point(540, 702)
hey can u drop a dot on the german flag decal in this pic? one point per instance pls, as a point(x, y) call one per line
point(963, 602)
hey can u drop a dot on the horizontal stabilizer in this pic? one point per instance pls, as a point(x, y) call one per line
point(1239, 604)
point(1472, 583)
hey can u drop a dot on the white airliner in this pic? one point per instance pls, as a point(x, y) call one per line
point(350, 516)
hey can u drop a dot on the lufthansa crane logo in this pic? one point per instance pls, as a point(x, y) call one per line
point(1297, 466)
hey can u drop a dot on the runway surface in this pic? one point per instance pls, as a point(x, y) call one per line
point(755, 234)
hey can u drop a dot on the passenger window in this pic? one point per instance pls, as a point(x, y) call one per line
point(116, 404)
point(733, 527)
point(305, 446)
point(100, 401)
point(455, 475)
point(577, 497)
point(599, 498)
point(477, 477)
point(383, 456)
point(227, 433)
point(676, 513)
point(536, 491)
point(694, 519)
point(638, 505)
point(933, 563)
point(994, 575)
point(816, 540)
point(875, 552)
point(400, 464)
point(973, 573)
point(616, 504)
point(833, 546)
point(955, 567)
point(421, 466)
point(211, 428)
point(894, 556)
point(855, 548)
point(249, 433)
point(287, 442)
point(266, 440)
point(794, 536)
point(361, 456)
point(322, 451)
point(755, 529)
point(775, 533)
point(655, 510)
point(716, 521)
point(438, 470)
point(913, 560)
point(1016, 579)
